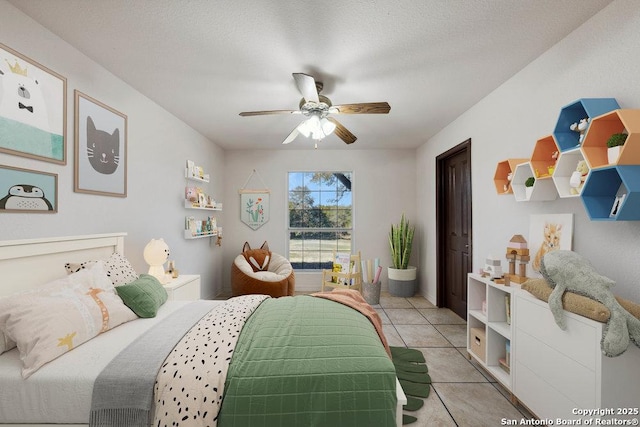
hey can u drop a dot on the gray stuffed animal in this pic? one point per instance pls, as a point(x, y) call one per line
point(569, 271)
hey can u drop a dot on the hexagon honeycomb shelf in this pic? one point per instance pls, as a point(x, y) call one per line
point(605, 185)
point(503, 169)
point(542, 159)
point(543, 189)
point(568, 139)
point(602, 127)
point(566, 166)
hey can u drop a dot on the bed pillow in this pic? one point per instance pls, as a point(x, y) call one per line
point(50, 320)
point(144, 296)
point(575, 303)
point(5, 343)
point(579, 304)
point(118, 269)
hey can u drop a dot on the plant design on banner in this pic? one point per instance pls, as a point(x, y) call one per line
point(255, 210)
point(254, 204)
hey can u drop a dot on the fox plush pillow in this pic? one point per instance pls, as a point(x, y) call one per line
point(258, 259)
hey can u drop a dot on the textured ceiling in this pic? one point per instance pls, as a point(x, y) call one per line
point(207, 60)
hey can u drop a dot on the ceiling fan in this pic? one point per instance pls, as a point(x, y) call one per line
point(317, 108)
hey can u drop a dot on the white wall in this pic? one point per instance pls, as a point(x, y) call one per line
point(599, 59)
point(383, 188)
point(158, 146)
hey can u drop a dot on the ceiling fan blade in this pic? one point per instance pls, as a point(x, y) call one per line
point(307, 87)
point(363, 108)
point(260, 113)
point(342, 132)
point(293, 135)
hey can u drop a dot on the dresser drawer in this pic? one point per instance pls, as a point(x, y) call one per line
point(580, 340)
point(539, 397)
point(560, 372)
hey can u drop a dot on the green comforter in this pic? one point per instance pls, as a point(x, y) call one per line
point(305, 361)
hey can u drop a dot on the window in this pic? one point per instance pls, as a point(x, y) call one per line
point(320, 218)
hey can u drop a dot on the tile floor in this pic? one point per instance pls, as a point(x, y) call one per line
point(462, 394)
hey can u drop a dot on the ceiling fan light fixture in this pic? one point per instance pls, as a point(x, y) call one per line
point(327, 126)
point(315, 127)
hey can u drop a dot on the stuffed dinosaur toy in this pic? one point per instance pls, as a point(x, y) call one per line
point(568, 271)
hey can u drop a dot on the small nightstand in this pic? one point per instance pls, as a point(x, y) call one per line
point(184, 287)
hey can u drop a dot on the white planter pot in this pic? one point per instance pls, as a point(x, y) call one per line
point(403, 282)
point(613, 153)
point(527, 192)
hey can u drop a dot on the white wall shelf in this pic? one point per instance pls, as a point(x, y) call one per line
point(195, 198)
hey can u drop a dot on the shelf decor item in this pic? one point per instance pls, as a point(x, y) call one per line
point(100, 148)
point(29, 191)
point(33, 109)
point(402, 276)
point(614, 146)
point(517, 251)
point(156, 253)
point(528, 184)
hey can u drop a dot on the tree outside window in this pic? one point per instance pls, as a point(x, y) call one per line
point(320, 218)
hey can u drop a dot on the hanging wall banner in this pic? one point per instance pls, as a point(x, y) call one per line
point(254, 205)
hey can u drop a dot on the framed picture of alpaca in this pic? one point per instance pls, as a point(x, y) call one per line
point(100, 148)
point(33, 109)
point(548, 232)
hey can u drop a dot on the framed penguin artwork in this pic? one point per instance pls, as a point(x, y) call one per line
point(33, 109)
point(29, 191)
point(100, 148)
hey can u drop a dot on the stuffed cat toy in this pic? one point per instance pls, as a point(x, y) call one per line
point(258, 259)
point(569, 271)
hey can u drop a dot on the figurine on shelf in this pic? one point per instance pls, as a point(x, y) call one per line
point(517, 251)
point(492, 268)
point(555, 155)
point(581, 128)
point(507, 186)
point(578, 177)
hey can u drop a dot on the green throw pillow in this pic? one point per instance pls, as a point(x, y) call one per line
point(144, 296)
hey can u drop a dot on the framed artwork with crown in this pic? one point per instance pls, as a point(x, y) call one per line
point(33, 109)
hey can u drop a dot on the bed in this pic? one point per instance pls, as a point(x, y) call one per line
point(61, 391)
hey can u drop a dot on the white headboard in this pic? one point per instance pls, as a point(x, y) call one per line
point(32, 262)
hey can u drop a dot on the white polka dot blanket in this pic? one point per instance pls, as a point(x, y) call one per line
point(190, 384)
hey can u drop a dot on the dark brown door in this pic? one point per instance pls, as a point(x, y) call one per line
point(453, 180)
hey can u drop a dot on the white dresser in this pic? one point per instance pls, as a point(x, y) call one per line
point(556, 371)
point(184, 287)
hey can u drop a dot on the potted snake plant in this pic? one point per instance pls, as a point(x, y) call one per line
point(402, 276)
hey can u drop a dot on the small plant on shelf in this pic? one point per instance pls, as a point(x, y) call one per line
point(528, 187)
point(614, 145)
point(617, 139)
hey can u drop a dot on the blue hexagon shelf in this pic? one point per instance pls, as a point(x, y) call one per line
point(605, 184)
point(568, 139)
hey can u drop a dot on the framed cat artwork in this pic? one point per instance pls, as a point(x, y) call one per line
point(100, 148)
point(33, 109)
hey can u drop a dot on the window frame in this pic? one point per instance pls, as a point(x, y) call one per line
point(290, 229)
